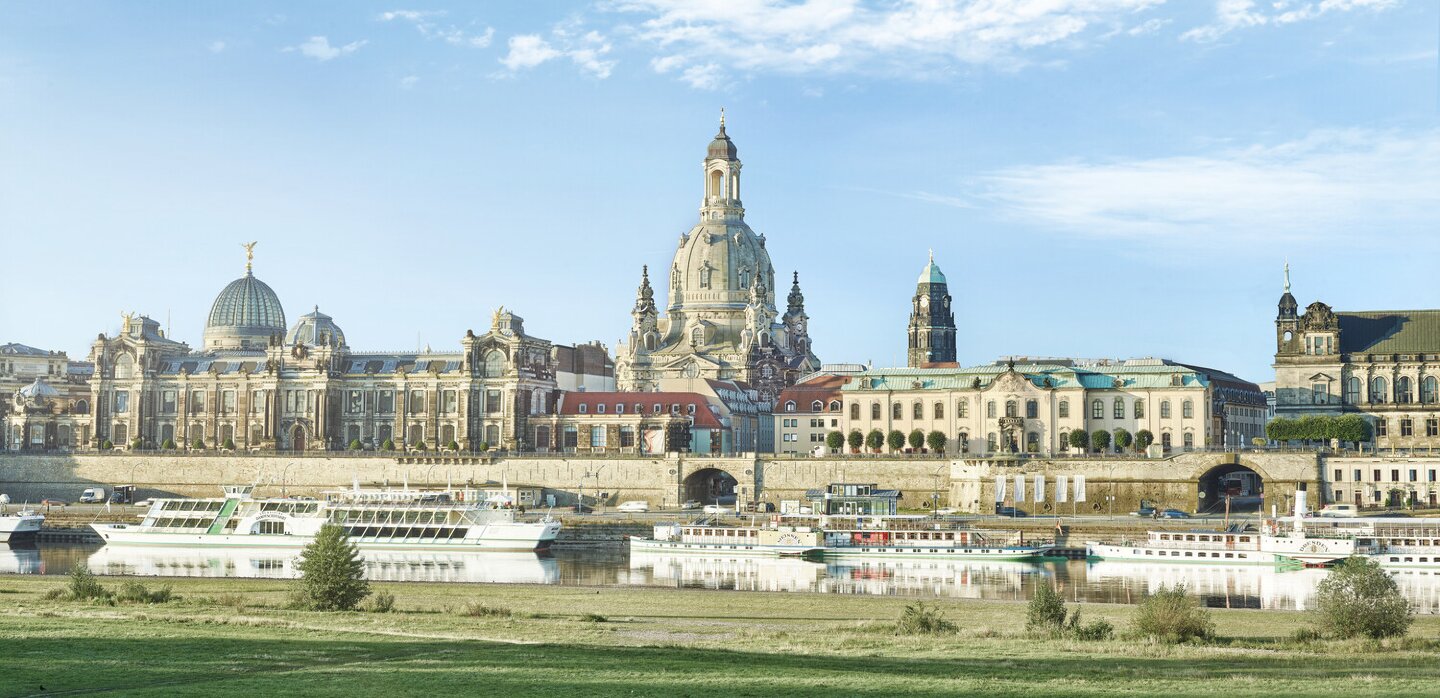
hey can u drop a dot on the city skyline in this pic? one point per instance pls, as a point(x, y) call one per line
point(1108, 179)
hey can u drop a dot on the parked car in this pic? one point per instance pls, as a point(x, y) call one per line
point(690, 504)
point(718, 509)
point(1012, 512)
point(1143, 511)
point(633, 507)
point(1173, 514)
point(143, 503)
point(1340, 510)
point(50, 502)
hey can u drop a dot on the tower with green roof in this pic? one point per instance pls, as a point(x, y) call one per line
point(932, 321)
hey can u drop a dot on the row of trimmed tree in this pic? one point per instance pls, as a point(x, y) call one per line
point(897, 440)
point(1101, 440)
point(1345, 427)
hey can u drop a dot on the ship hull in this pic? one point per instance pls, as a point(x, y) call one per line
point(500, 536)
point(19, 528)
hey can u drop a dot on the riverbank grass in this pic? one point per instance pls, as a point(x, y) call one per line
point(239, 636)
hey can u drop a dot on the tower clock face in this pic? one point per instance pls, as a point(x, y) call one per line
point(924, 301)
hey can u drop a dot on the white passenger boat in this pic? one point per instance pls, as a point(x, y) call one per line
point(280, 563)
point(713, 539)
point(373, 519)
point(919, 537)
point(1391, 541)
point(20, 525)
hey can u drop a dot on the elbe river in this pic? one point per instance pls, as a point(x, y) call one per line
point(1094, 581)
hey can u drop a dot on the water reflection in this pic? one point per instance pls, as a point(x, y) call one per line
point(1236, 586)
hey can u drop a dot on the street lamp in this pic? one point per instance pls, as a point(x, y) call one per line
point(284, 477)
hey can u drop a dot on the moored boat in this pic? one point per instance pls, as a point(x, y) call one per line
point(916, 537)
point(715, 539)
point(19, 526)
point(373, 519)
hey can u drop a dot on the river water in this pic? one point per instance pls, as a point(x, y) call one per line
point(1103, 581)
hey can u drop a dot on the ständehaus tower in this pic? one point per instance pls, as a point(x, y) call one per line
point(721, 320)
point(932, 321)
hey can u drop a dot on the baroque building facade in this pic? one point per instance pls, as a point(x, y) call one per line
point(1382, 364)
point(257, 385)
point(721, 321)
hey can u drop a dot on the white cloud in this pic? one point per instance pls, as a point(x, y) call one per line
point(216, 46)
point(408, 82)
point(1231, 15)
point(426, 22)
point(906, 36)
point(703, 77)
point(319, 48)
point(587, 51)
point(1328, 184)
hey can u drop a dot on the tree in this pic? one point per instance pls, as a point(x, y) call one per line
point(355, 445)
point(1171, 615)
point(1359, 598)
point(856, 440)
point(387, 445)
point(1046, 612)
point(332, 574)
point(936, 440)
point(1352, 427)
point(834, 441)
point(1079, 439)
point(875, 439)
point(1101, 440)
point(895, 440)
point(1143, 439)
point(1123, 439)
point(916, 439)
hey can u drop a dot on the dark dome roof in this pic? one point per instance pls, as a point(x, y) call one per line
point(722, 147)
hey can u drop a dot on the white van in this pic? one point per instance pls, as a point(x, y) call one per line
point(634, 507)
point(1340, 510)
point(92, 495)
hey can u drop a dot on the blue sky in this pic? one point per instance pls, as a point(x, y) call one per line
point(1096, 177)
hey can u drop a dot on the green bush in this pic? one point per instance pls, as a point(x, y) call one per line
point(937, 440)
point(483, 447)
point(919, 619)
point(83, 586)
point(1123, 439)
point(453, 445)
point(229, 445)
point(168, 444)
point(1350, 427)
point(475, 609)
point(136, 443)
point(1046, 612)
point(1094, 631)
point(381, 602)
point(835, 441)
point(594, 618)
point(1143, 439)
point(106, 445)
point(1171, 615)
point(332, 575)
point(1079, 439)
point(1359, 598)
point(135, 592)
point(355, 445)
point(198, 444)
point(1101, 440)
point(419, 445)
point(916, 439)
point(895, 440)
point(855, 440)
point(388, 445)
point(875, 439)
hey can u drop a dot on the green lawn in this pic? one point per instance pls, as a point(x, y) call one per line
point(229, 637)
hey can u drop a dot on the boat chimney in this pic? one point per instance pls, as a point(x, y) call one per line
point(1300, 509)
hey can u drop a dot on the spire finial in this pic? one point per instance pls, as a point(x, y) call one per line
point(795, 277)
point(645, 271)
point(249, 255)
point(722, 118)
point(932, 255)
point(1287, 276)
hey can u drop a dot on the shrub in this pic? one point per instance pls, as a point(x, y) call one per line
point(332, 573)
point(875, 439)
point(834, 440)
point(936, 440)
point(83, 586)
point(895, 439)
point(1123, 439)
point(856, 440)
point(483, 447)
point(388, 445)
point(106, 445)
point(229, 445)
point(1359, 598)
point(1101, 440)
point(355, 445)
point(136, 443)
point(916, 439)
point(168, 444)
point(1305, 635)
point(135, 592)
point(453, 445)
point(1047, 611)
point(381, 602)
point(1143, 439)
point(594, 618)
point(1171, 615)
point(198, 444)
point(1079, 439)
point(475, 609)
point(419, 445)
point(919, 619)
point(1094, 631)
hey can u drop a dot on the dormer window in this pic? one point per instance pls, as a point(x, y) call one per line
point(600, 408)
point(581, 408)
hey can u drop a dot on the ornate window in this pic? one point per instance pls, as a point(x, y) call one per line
point(1097, 409)
point(1428, 389)
point(917, 410)
point(874, 410)
point(817, 406)
point(1119, 408)
point(1378, 390)
point(1032, 409)
point(1402, 390)
point(697, 337)
point(789, 405)
point(1064, 408)
point(1352, 390)
point(897, 411)
point(494, 364)
point(1164, 409)
point(417, 401)
point(1139, 409)
point(1187, 409)
point(705, 273)
point(939, 410)
point(1011, 409)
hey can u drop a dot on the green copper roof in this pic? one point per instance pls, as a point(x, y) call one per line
point(932, 274)
point(1389, 332)
point(1089, 377)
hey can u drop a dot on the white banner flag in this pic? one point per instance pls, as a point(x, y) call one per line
point(1062, 488)
point(999, 489)
point(1019, 488)
point(1039, 489)
point(1079, 488)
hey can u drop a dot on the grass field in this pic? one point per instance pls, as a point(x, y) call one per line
point(232, 637)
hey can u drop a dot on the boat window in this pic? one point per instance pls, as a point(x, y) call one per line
point(1189, 537)
point(1244, 539)
point(1164, 536)
point(949, 536)
point(1149, 552)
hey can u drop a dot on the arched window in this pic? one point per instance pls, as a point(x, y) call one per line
point(1064, 439)
point(855, 411)
point(1097, 409)
point(1188, 440)
point(939, 410)
point(789, 405)
point(1428, 389)
point(917, 411)
point(962, 408)
point(1352, 390)
point(1119, 408)
point(874, 410)
point(83, 407)
point(492, 436)
point(1378, 390)
point(1032, 442)
point(964, 442)
point(697, 336)
point(1187, 409)
point(1032, 409)
point(816, 406)
point(494, 364)
point(990, 442)
point(1064, 408)
point(1139, 409)
point(1011, 409)
point(1402, 390)
point(1165, 410)
point(897, 411)
point(124, 366)
point(990, 409)
point(1165, 437)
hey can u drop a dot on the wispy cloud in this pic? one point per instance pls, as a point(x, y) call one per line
point(216, 46)
point(586, 51)
point(904, 37)
point(1231, 15)
point(1327, 184)
point(430, 26)
point(319, 48)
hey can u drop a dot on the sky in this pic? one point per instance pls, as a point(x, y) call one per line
point(1097, 178)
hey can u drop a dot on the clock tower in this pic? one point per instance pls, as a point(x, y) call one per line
point(932, 322)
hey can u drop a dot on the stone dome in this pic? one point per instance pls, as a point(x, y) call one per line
point(244, 316)
point(316, 329)
point(722, 147)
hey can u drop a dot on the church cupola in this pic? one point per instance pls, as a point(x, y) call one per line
point(932, 321)
point(1287, 321)
point(722, 176)
point(1288, 306)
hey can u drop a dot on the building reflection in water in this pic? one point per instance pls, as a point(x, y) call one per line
point(388, 566)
